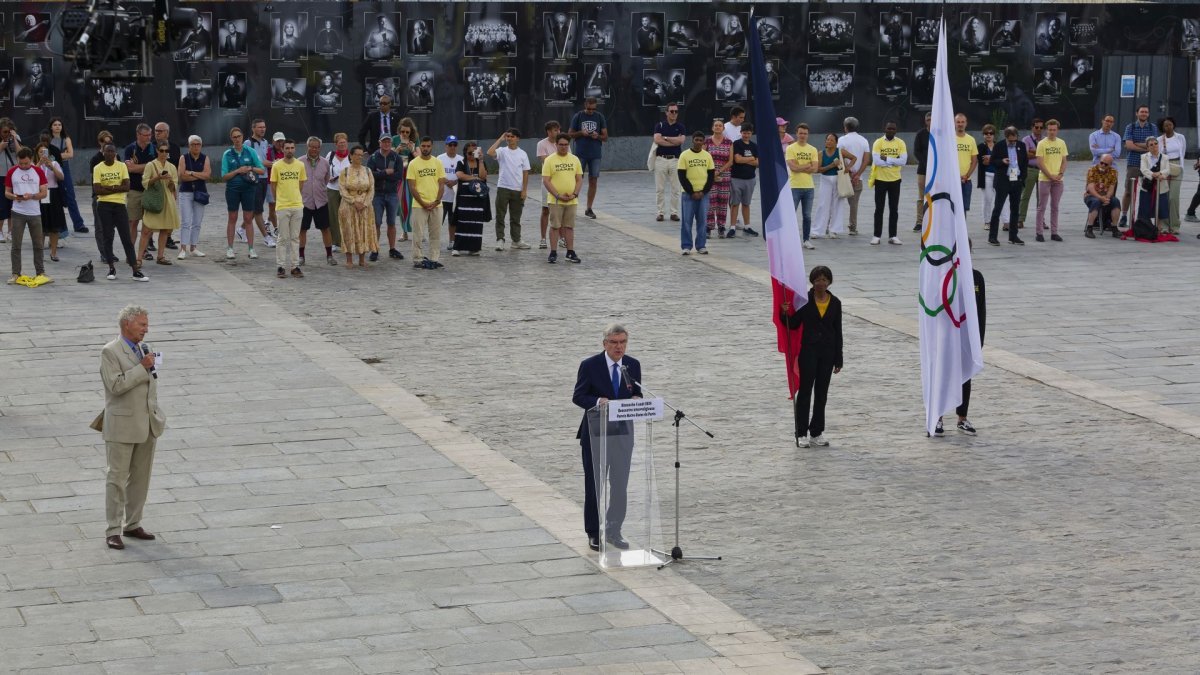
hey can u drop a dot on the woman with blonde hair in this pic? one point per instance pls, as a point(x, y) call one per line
point(160, 174)
point(356, 216)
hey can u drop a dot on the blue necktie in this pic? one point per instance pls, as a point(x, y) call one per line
point(616, 381)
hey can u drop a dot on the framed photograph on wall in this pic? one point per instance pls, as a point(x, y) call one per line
point(195, 43)
point(232, 41)
point(1083, 32)
point(193, 95)
point(829, 86)
point(597, 80)
point(771, 34)
point(231, 89)
point(560, 35)
point(1051, 34)
point(927, 33)
point(891, 82)
point(289, 92)
point(662, 87)
point(328, 40)
point(287, 37)
point(598, 37)
point(383, 38)
point(974, 34)
point(895, 34)
point(647, 30)
point(31, 28)
point(33, 82)
point(989, 84)
point(683, 37)
point(560, 89)
point(1047, 85)
point(420, 90)
point(732, 87)
point(327, 89)
point(1082, 76)
point(729, 35)
point(831, 34)
point(490, 90)
point(1006, 35)
point(419, 37)
point(491, 36)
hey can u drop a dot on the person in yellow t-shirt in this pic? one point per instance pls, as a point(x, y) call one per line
point(968, 157)
point(426, 177)
point(562, 177)
point(889, 154)
point(1052, 165)
point(697, 173)
point(803, 160)
point(286, 176)
point(110, 182)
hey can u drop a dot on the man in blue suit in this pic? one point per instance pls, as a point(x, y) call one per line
point(603, 377)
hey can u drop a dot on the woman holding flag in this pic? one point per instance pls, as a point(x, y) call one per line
point(820, 325)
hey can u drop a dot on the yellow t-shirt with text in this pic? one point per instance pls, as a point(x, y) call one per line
point(1051, 153)
point(696, 165)
point(562, 170)
point(426, 172)
point(889, 150)
point(111, 176)
point(967, 148)
point(805, 155)
point(287, 179)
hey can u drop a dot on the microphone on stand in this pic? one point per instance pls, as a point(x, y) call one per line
point(627, 378)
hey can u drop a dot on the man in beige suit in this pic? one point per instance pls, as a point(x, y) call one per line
point(131, 423)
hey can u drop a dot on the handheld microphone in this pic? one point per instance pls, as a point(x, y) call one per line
point(146, 352)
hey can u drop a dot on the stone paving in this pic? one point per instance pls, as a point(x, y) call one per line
point(1058, 540)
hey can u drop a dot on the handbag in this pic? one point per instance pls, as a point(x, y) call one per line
point(1148, 183)
point(86, 273)
point(153, 200)
point(200, 197)
point(651, 156)
point(845, 187)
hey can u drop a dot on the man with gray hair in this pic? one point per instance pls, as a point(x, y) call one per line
point(606, 376)
point(854, 143)
point(137, 155)
point(131, 424)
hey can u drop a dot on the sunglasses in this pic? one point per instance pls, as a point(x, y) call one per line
point(989, 133)
point(1105, 163)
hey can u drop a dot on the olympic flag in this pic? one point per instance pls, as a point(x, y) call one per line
point(785, 256)
point(951, 352)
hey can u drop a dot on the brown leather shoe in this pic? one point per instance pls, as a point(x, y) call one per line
point(114, 541)
point(674, 217)
point(139, 533)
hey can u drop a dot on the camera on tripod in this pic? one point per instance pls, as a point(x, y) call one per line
point(109, 40)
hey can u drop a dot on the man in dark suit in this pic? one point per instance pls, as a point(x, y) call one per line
point(1012, 166)
point(606, 376)
point(382, 122)
point(234, 42)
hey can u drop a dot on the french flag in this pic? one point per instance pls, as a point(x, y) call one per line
point(785, 255)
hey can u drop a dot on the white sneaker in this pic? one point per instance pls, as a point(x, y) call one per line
point(895, 240)
point(562, 243)
point(454, 254)
point(450, 246)
point(832, 235)
point(336, 249)
point(196, 253)
point(239, 234)
point(814, 235)
point(182, 255)
point(521, 246)
point(802, 442)
point(500, 245)
point(543, 244)
point(820, 441)
point(270, 241)
point(808, 245)
point(253, 254)
point(229, 253)
point(874, 241)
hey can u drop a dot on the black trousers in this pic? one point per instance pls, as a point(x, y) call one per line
point(961, 410)
point(99, 234)
point(889, 190)
point(814, 388)
point(615, 466)
point(114, 222)
point(1011, 191)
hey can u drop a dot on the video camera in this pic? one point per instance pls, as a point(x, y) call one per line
point(110, 40)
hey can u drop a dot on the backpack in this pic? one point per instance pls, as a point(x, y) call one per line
point(1144, 229)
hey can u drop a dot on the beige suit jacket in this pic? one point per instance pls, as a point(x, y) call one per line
point(131, 413)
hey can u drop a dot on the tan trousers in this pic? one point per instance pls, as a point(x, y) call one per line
point(666, 184)
point(852, 202)
point(129, 466)
point(426, 222)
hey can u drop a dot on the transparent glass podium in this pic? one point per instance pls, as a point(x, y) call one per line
point(622, 438)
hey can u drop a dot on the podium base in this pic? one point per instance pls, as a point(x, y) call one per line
point(612, 557)
point(676, 555)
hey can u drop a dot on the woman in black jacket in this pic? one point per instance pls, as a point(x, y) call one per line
point(820, 353)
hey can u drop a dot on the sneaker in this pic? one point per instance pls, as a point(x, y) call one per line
point(720, 232)
point(853, 233)
point(435, 265)
point(820, 441)
point(1124, 221)
point(229, 253)
point(253, 255)
point(750, 232)
point(552, 258)
point(1191, 218)
point(659, 218)
point(572, 257)
point(895, 241)
point(196, 253)
point(994, 242)
point(82, 230)
point(814, 235)
point(731, 233)
point(150, 246)
point(1055, 237)
point(302, 261)
point(917, 227)
point(239, 235)
point(330, 261)
point(112, 274)
point(874, 241)
point(393, 254)
point(3, 237)
point(450, 246)
point(543, 244)
point(280, 273)
point(520, 246)
point(562, 242)
point(182, 255)
point(336, 249)
point(417, 265)
point(938, 431)
point(374, 257)
point(590, 213)
point(1089, 232)
point(1039, 238)
point(808, 245)
point(1017, 240)
point(832, 235)
point(802, 442)
point(500, 245)
point(687, 251)
point(148, 255)
point(675, 217)
point(966, 427)
point(702, 251)
point(453, 254)
point(298, 273)
point(138, 276)
point(270, 241)
point(172, 244)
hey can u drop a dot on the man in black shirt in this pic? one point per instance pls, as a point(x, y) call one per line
point(921, 148)
point(742, 175)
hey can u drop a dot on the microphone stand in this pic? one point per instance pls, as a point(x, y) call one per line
point(677, 551)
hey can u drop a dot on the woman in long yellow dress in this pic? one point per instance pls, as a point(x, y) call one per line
point(160, 170)
point(357, 219)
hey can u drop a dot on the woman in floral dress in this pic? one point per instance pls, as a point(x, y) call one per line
point(355, 214)
point(721, 149)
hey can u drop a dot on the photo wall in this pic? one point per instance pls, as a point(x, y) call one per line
point(474, 69)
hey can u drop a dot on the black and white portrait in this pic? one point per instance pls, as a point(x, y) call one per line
point(231, 43)
point(598, 37)
point(660, 88)
point(770, 33)
point(831, 34)
point(111, 100)
point(729, 35)
point(648, 37)
point(418, 36)
point(1006, 35)
point(830, 86)
point(1051, 33)
point(988, 84)
point(193, 95)
point(495, 35)
point(922, 83)
point(895, 34)
point(420, 90)
point(558, 89)
point(560, 35)
point(597, 80)
point(927, 33)
point(33, 82)
point(1190, 41)
point(732, 87)
point(1084, 31)
point(288, 92)
point(974, 34)
point(327, 89)
point(195, 43)
point(383, 41)
point(490, 91)
point(287, 37)
point(1047, 83)
point(683, 36)
point(375, 88)
point(31, 28)
point(5, 85)
point(772, 68)
point(1082, 76)
point(891, 82)
point(327, 36)
point(231, 89)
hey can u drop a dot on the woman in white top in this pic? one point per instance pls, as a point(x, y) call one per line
point(1174, 146)
point(54, 221)
point(1156, 183)
point(339, 161)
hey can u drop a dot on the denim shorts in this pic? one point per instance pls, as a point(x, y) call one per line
point(591, 166)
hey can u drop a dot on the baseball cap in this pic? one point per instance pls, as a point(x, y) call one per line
point(279, 136)
point(451, 139)
point(779, 121)
point(385, 137)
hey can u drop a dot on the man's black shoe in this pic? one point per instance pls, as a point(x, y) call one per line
point(594, 543)
point(994, 242)
point(749, 231)
point(618, 541)
point(374, 257)
point(572, 257)
point(82, 230)
point(590, 213)
point(553, 257)
point(395, 255)
point(435, 265)
point(150, 246)
point(171, 244)
point(1018, 241)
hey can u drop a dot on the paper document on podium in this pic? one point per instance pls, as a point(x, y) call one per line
point(626, 492)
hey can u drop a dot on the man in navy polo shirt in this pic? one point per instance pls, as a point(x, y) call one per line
point(669, 137)
point(589, 130)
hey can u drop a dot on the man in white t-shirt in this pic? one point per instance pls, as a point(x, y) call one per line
point(733, 128)
point(853, 143)
point(511, 187)
point(545, 148)
point(25, 187)
point(450, 159)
